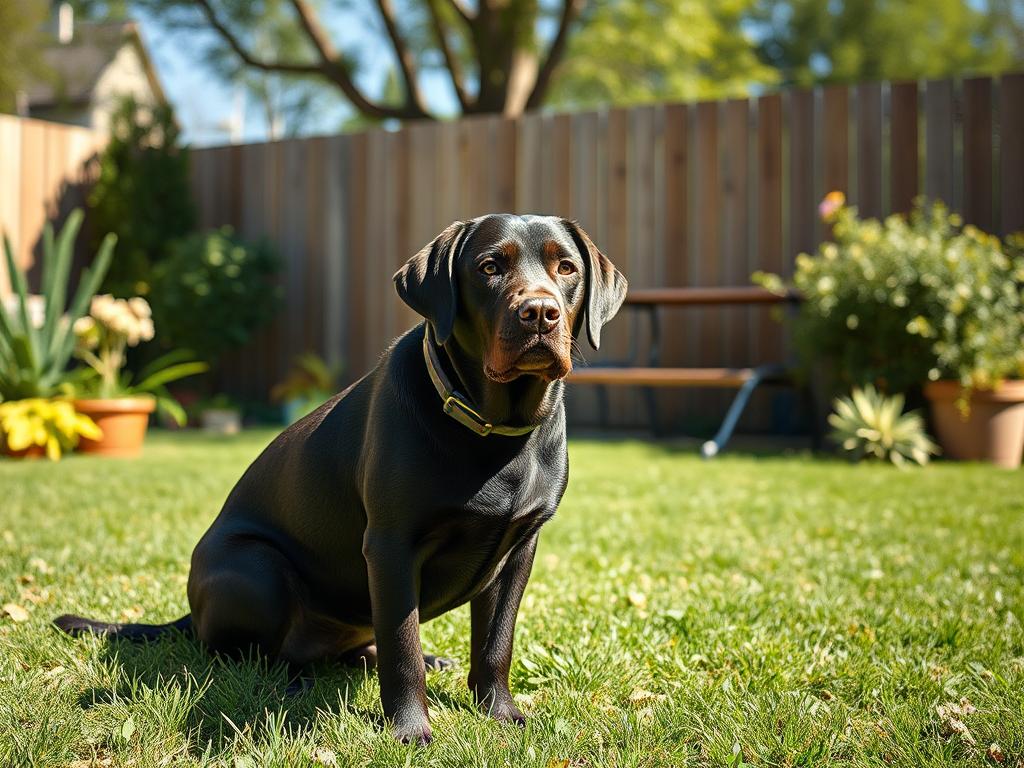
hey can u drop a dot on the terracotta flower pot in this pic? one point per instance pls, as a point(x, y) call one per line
point(993, 430)
point(123, 421)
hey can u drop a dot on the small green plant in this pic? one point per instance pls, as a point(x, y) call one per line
point(213, 291)
point(104, 336)
point(899, 302)
point(36, 335)
point(52, 425)
point(309, 383)
point(869, 424)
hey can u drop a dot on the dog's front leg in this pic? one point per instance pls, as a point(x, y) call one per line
point(394, 594)
point(493, 614)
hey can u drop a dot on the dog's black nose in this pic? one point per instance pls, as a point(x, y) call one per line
point(540, 314)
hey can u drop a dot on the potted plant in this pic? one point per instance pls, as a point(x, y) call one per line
point(37, 341)
point(219, 415)
point(925, 306)
point(36, 427)
point(119, 402)
point(309, 383)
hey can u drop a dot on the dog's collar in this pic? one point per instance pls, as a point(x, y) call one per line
point(454, 403)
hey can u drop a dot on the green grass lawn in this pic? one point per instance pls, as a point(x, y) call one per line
point(765, 611)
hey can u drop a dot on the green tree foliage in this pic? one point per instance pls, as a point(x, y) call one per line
point(21, 41)
point(630, 52)
point(810, 41)
point(142, 193)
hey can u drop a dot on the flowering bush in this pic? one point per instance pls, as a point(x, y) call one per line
point(49, 424)
point(104, 336)
point(898, 302)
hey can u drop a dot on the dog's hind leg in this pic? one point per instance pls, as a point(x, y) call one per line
point(243, 598)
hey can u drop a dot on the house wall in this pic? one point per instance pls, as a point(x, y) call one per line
point(124, 76)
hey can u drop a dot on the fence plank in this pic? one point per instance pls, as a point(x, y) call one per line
point(978, 152)
point(938, 167)
point(736, 240)
point(802, 203)
point(1011, 134)
point(358, 301)
point(11, 199)
point(707, 271)
point(869, 150)
point(336, 200)
point(836, 138)
point(904, 162)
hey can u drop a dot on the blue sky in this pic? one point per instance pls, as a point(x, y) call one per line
point(205, 103)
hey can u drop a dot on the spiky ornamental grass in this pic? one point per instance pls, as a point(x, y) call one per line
point(870, 424)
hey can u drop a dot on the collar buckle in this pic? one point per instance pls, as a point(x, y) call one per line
point(477, 422)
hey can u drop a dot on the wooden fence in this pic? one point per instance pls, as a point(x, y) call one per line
point(700, 195)
point(676, 194)
point(44, 173)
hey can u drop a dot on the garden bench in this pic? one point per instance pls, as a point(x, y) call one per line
point(629, 373)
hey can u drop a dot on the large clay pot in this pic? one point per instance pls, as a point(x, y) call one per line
point(994, 428)
point(122, 420)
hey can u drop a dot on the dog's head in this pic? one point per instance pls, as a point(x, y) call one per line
point(514, 291)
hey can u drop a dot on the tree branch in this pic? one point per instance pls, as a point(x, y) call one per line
point(246, 56)
point(463, 10)
point(335, 68)
point(451, 62)
point(406, 63)
point(570, 10)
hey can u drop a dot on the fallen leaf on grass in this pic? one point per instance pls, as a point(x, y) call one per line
point(16, 612)
point(995, 753)
point(950, 718)
point(555, 762)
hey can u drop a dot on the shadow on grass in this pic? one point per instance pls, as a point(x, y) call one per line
point(213, 698)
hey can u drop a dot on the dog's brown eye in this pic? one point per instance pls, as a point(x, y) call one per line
point(490, 268)
point(566, 267)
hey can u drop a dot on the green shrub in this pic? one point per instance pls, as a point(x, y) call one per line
point(142, 193)
point(897, 302)
point(213, 291)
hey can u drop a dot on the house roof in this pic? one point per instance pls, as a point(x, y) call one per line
point(76, 67)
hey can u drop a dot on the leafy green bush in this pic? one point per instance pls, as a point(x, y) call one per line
point(213, 291)
point(869, 424)
point(142, 193)
point(897, 302)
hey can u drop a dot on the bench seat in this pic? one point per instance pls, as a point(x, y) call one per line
point(726, 378)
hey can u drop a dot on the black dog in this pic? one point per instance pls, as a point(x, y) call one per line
point(405, 496)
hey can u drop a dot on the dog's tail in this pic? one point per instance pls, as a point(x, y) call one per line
point(77, 626)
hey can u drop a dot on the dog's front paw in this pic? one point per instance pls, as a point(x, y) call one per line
point(412, 728)
point(506, 712)
point(497, 703)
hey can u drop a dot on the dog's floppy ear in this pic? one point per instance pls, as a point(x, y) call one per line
point(606, 286)
point(427, 284)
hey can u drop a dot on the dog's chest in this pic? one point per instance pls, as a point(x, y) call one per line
point(471, 542)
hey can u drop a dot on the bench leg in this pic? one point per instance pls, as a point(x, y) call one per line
point(714, 446)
